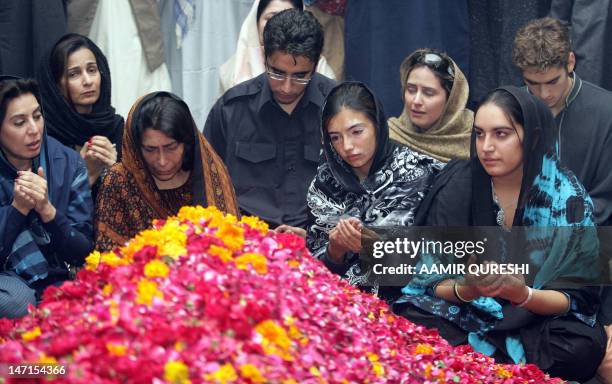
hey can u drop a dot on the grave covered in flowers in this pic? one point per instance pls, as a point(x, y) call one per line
point(203, 297)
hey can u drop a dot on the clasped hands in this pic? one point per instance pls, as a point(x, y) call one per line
point(30, 193)
point(344, 237)
point(504, 286)
point(98, 153)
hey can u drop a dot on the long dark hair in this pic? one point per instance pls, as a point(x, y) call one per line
point(171, 117)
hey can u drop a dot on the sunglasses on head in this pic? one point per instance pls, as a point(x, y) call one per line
point(434, 61)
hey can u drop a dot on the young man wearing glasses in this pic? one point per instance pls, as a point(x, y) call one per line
point(267, 128)
point(583, 112)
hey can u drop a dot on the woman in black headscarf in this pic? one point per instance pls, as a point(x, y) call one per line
point(366, 180)
point(75, 86)
point(548, 315)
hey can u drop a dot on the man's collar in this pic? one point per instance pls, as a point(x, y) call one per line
point(576, 86)
point(265, 96)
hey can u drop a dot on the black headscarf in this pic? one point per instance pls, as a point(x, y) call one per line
point(341, 170)
point(63, 121)
point(538, 141)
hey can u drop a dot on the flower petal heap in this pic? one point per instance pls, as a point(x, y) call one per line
point(203, 297)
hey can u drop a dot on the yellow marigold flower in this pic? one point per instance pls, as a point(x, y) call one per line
point(116, 349)
point(314, 371)
point(170, 240)
point(107, 290)
point(275, 339)
point(222, 253)
point(258, 261)
point(376, 366)
point(174, 250)
point(92, 261)
point(503, 373)
point(378, 369)
point(423, 349)
point(250, 372)
point(255, 223)
point(33, 334)
point(294, 332)
point(111, 259)
point(156, 268)
point(44, 359)
point(179, 346)
point(197, 214)
point(225, 374)
point(113, 309)
point(147, 290)
point(176, 372)
point(231, 235)
point(192, 214)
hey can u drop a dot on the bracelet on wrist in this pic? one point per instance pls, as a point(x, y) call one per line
point(458, 296)
point(527, 299)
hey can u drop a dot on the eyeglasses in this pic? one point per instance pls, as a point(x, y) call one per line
point(282, 77)
point(434, 61)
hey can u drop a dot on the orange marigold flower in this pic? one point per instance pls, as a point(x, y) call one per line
point(222, 253)
point(423, 349)
point(32, 334)
point(250, 372)
point(256, 260)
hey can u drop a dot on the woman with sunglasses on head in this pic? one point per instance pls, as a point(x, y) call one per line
point(366, 179)
point(75, 84)
point(45, 202)
point(248, 61)
point(548, 316)
point(167, 164)
point(435, 121)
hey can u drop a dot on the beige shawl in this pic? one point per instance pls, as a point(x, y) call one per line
point(450, 137)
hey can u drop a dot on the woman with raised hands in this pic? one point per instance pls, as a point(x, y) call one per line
point(45, 202)
point(75, 84)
